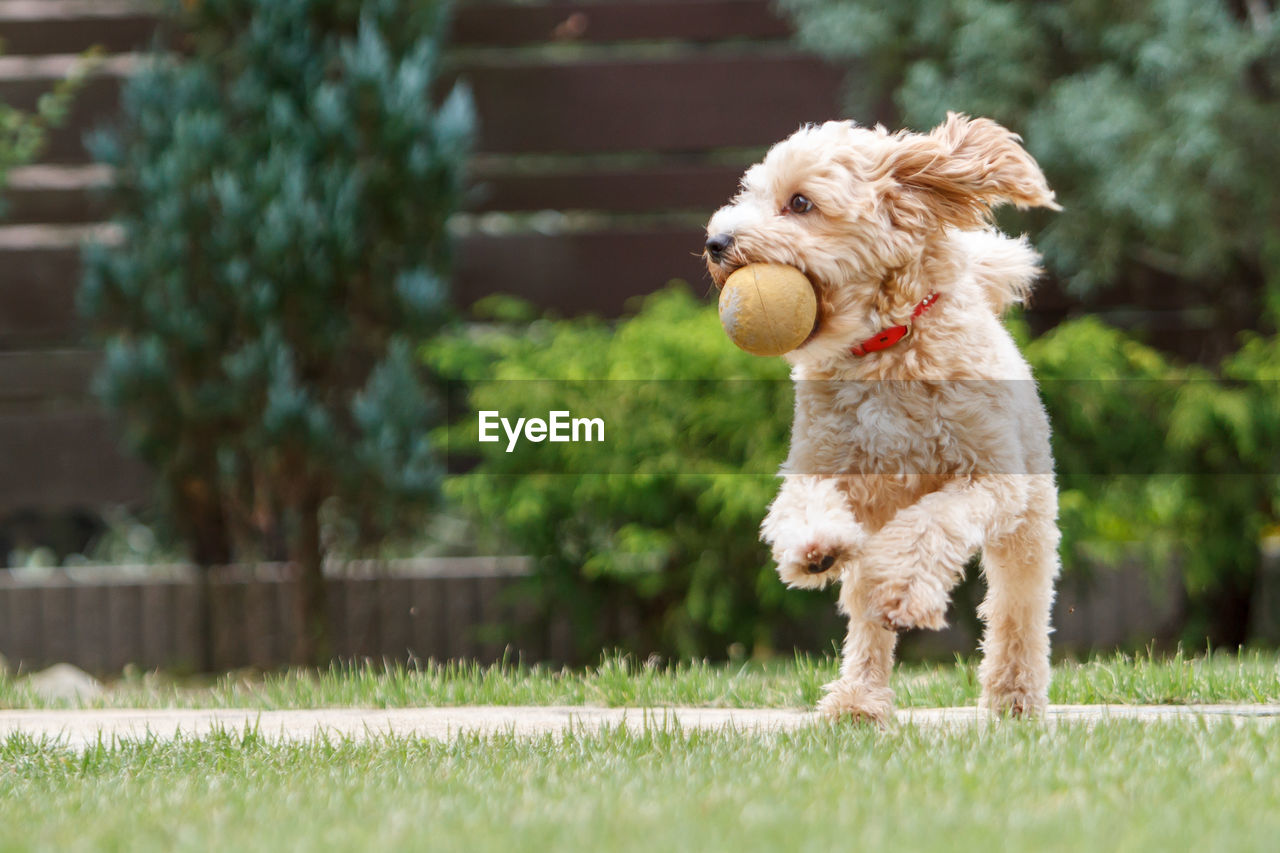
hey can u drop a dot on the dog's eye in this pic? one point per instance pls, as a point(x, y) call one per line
point(799, 204)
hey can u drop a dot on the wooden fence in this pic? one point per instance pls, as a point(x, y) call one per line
point(102, 619)
point(445, 609)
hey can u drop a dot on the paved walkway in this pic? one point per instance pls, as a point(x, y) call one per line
point(78, 728)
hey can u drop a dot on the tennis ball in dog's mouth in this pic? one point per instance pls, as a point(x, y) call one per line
point(768, 309)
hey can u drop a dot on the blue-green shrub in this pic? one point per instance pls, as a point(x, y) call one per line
point(283, 192)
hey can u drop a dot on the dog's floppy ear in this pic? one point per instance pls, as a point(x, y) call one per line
point(960, 170)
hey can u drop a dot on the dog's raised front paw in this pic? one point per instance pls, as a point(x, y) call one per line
point(856, 702)
point(901, 602)
point(815, 563)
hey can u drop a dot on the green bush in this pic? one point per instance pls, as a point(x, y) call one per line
point(1228, 436)
point(1141, 445)
point(1110, 400)
point(1159, 462)
point(1139, 442)
point(284, 190)
point(676, 536)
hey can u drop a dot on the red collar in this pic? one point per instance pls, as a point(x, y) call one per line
point(886, 338)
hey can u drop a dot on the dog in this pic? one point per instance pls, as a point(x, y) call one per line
point(919, 438)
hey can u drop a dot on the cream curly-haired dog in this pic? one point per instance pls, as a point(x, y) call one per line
point(919, 438)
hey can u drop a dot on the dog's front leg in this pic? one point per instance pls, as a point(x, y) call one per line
point(912, 563)
point(862, 692)
point(811, 530)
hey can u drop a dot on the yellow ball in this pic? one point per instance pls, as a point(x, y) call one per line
point(768, 309)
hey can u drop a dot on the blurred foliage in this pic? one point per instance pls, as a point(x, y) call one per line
point(678, 533)
point(283, 190)
point(1154, 120)
point(1109, 400)
point(1135, 439)
point(23, 134)
point(1228, 435)
point(1161, 462)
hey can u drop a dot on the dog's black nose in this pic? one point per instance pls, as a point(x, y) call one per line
point(717, 245)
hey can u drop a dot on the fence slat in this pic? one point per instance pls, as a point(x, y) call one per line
point(442, 637)
point(60, 27)
point(489, 25)
point(464, 618)
point(259, 610)
point(662, 187)
point(24, 616)
point(490, 612)
point(534, 106)
point(51, 26)
point(60, 459)
point(57, 624)
point(28, 377)
point(157, 617)
point(226, 599)
point(124, 625)
point(362, 600)
point(579, 272)
point(675, 105)
point(7, 636)
point(338, 624)
point(429, 630)
point(89, 607)
point(188, 651)
point(286, 619)
point(55, 205)
point(522, 616)
point(395, 605)
point(37, 295)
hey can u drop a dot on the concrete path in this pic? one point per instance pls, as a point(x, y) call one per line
point(81, 727)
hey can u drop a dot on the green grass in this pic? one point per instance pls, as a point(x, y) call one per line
point(1117, 785)
point(1024, 786)
point(1250, 677)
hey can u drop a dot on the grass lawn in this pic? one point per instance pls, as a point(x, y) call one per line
point(1122, 785)
point(618, 681)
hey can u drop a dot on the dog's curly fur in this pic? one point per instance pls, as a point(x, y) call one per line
point(907, 461)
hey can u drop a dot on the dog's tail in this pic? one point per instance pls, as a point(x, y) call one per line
point(1003, 267)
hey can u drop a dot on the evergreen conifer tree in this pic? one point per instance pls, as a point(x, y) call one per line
point(283, 192)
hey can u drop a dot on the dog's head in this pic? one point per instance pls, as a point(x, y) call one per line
point(858, 211)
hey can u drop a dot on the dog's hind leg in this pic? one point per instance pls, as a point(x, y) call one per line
point(861, 693)
point(1020, 570)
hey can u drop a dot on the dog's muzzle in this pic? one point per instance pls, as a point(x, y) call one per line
point(718, 245)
